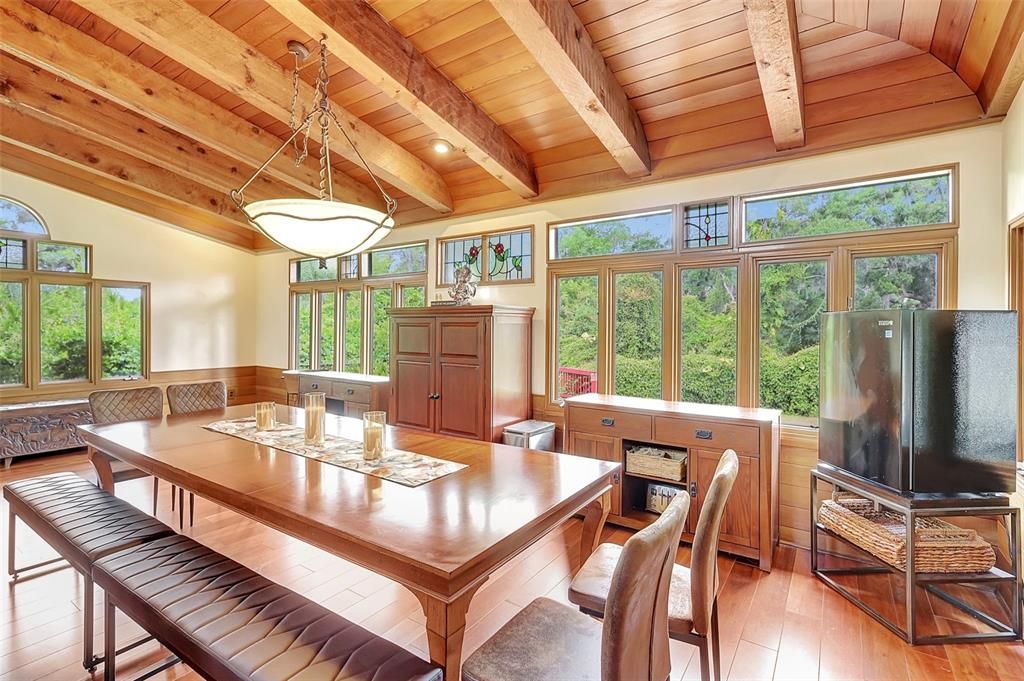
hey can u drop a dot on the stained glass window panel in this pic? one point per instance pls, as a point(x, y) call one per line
point(510, 256)
point(12, 254)
point(458, 252)
point(706, 225)
point(349, 266)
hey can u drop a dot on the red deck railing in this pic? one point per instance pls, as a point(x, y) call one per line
point(576, 381)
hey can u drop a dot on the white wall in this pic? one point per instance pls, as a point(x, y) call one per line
point(1013, 160)
point(203, 293)
point(982, 246)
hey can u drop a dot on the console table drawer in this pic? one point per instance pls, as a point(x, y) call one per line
point(707, 434)
point(350, 392)
point(611, 422)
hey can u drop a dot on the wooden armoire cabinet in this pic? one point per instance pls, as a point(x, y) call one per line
point(460, 370)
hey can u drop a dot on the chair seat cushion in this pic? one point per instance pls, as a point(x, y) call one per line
point(546, 641)
point(589, 588)
point(228, 622)
point(78, 519)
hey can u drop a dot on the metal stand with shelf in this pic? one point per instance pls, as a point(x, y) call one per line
point(912, 508)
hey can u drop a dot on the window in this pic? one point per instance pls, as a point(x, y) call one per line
point(792, 297)
point(634, 233)
point(706, 225)
point(638, 333)
point(352, 330)
point(327, 328)
point(17, 217)
point(303, 331)
point(884, 282)
point(396, 260)
point(380, 324)
point(349, 266)
point(12, 333)
point(414, 296)
point(121, 322)
point(492, 258)
point(312, 269)
point(576, 341)
point(54, 256)
point(63, 332)
point(12, 254)
point(889, 203)
point(708, 333)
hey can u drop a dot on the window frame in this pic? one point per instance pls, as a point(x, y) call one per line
point(485, 279)
point(24, 278)
point(367, 274)
point(612, 309)
point(99, 285)
point(88, 258)
point(952, 169)
point(735, 231)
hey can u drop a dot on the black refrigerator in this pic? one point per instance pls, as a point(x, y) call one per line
point(921, 401)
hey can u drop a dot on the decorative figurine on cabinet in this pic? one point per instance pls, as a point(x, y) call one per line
point(463, 290)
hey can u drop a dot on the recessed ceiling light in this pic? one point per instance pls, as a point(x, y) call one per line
point(440, 146)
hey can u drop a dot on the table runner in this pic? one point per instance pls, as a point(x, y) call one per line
point(405, 468)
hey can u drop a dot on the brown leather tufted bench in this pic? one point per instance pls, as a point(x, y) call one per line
point(229, 623)
point(80, 522)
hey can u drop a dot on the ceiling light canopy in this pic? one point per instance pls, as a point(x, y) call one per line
point(317, 227)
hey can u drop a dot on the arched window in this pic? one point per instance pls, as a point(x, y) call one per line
point(17, 217)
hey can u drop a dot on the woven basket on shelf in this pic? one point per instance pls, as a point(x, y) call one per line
point(669, 464)
point(938, 546)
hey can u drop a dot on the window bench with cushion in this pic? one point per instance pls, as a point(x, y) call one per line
point(42, 426)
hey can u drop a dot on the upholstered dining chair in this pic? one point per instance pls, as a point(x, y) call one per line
point(693, 601)
point(130, 404)
point(549, 640)
point(188, 398)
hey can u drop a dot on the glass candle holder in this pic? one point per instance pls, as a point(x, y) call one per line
point(315, 408)
point(373, 435)
point(266, 415)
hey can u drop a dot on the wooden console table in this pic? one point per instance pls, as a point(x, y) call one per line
point(347, 394)
point(39, 427)
point(603, 426)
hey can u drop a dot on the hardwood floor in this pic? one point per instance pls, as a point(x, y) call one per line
point(784, 626)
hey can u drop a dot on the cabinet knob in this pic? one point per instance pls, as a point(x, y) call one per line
point(693, 489)
point(350, 391)
point(314, 386)
point(607, 421)
point(703, 434)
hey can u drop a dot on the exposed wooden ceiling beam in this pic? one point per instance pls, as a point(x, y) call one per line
point(26, 131)
point(40, 39)
point(1004, 74)
point(557, 39)
point(26, 161)
point(368, 44)
point(773, 36)
point(186, 35)
point(32, 91)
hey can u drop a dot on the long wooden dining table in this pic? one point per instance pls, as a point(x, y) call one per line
point(442, 539)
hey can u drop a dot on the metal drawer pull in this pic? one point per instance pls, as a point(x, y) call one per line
point(350, 391)
point(607, 421)
point(703, 434)
point(693, 489)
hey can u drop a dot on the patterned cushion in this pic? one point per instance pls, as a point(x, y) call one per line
point(134, 404)
point(185, 398)
point(78, 519)
point(227, 622)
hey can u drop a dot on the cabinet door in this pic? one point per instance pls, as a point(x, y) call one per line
point(356, 409)
point(740, 524)
point(461, 378)
point(603, 448)
point(412, 373)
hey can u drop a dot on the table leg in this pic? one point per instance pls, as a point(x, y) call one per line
point(101, 462)
point(594, 515)
point(446, 629)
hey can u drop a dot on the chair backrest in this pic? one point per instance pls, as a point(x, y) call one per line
point(634, 640)
point(704, 557)
point(131, 404)
point(185, 398)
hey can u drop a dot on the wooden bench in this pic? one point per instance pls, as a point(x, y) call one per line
point(81, 523)
point(40, 427)
point(230, 624)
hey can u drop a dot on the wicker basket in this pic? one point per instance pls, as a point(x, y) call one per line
point(938, 545)
point(667, 464)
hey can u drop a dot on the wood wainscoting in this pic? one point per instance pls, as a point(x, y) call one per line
point(798, 453)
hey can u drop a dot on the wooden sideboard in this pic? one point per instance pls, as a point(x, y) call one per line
point(603, 426)
point(347, 394)
point(460, 370)
point(38, 427)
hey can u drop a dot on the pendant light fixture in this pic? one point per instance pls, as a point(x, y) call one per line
point(321, 227)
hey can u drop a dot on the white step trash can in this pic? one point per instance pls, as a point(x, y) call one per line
point(531, 434)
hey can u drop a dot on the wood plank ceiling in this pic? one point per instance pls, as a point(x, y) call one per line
point(162, 106)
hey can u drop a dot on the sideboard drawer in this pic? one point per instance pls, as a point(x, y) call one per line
point(707, 434)
point(309, 384)
point(350, 392)
point(612, 423)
